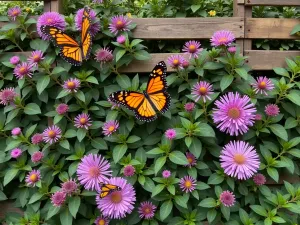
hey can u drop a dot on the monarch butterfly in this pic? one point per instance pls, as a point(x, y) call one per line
point(107, 189)
point(145, 104)
point(70, 50)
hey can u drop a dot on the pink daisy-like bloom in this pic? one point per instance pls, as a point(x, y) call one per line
point(189, 107)
point(147, 210)
point(262, 85)
point(83, 120)
point(231, 49)
point(222, 38)
point(234, 114)
point(50, 19)
point(36, 57)
point(102, 220)
point(104, 55)
point(202, 90)
point(185, 64)
point(37, 157)
point(227, 198)
point(239, 160)
point(119, 203)
point(192, 48)
point(121, 39)
point(166, 173)
point(58, 198)
point(129, 171)
point(175, 61)
point(16, 153)
point(272, 110)
point(187, 184)
point(37, 138)
point(69, 187)
point(52, 134)
point(71, 85)
point(119, 23)
point(7, 96)
point(191, 159)
point(14, 60)
point(259, 179)
point(170, 134)
point(92, 170)
point(14, 12)
point(95, 26)
point(33, 177)
point(110, 127)
point(16, 131)
point(62, 108)
point(22, 70)
point(258, 117)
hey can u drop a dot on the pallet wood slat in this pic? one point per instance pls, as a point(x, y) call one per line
point(272, 2)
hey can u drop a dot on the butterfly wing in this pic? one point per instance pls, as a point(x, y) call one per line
point(86, 37)
point(107, 189)
point(70, 50)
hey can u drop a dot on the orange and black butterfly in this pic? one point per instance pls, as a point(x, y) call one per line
point(70, 50)
point(107, 189)
point(154, 98)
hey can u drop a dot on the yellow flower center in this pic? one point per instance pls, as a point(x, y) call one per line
point(192, 48)
point(15, 13)
point(119, 24)
point(101, 222)
point(49, 20)
point(223, 40)
point(234, 113)
point(175, 62)
point(190, 159)
point(239, 159)
point(111, 128)
point(71, 84)
point(51, 134)
point(94, 172)
point(188, 184)
point(262, 85)
point(33, 178)
point(116, 197)
point(82, 121)
point(203, 90)
point(36, 57)
point(212, 12)
point(22, 69)
point(147, 210)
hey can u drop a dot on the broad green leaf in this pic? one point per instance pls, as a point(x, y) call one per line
point(123, 81)
point(39, 44)
point(273, 173)
point(35, 197)
point(32, 109)
point(180, 200)
point(279, 131)
point(211, 215)
point(158, 188)
point(215, 179)
point(81, 133)
point(178, 157)
point(226, 81)
point(281, 71)
point(66, 217)
point(119, 151)
point(159, 163)
point(119, 54)
point(73, 205)
point(99, 143)
point(141, 55)
point(294, 97)
point(42, 83)
point(196, 147)
point(208, 203)
point(259, 210)
point(194, 8)
point(213, 66)
point(242, 72)
point(52, 211)
point(165, 209)
point(9, 175)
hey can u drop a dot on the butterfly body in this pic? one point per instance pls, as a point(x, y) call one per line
point(107, 189)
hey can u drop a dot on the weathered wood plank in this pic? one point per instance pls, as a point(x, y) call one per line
point(273, 2)
point(270, 28)
point(239, 11)
point(267, 60)
point(8, 206)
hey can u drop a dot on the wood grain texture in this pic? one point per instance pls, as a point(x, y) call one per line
point(239, 11)
point(8, 206)
point(270, 28)
point(273, 2)
point(267, 60)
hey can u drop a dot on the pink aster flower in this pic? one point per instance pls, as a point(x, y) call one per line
point(259, 179)
point(102, 220)
point(170, 134)
point(71, 85)
point(23, 70)
point(16, 131)
point(95, 26)
point(231, 49)
point(83, 120)
point(14, 12)
point(227, 198)
point(69, 187)
point(147, 210)
point(37, 138)
point(52, 134)
point(121, 39)
point(239, 160)
point(14, 60)
point(166, 173)
point(202, 90)
point(185, 64)
point(189, 107)
point(92, 170)
point(129, 171)
point(262, 85)
point(104, 55)
point(62, 108)
point(192, 48)
point(175, 61)
point(110, 127)
point(258, 117)
point(33, 177)
point(7, 96)
point(272, 110)
point(119, 23)
point(187, 184)
point(16, 153)
point(234, 114)
point(36, 57)
point(191, 159)
point(50, 19)
point(37, 156)
point(58, 198)
point(222, 38)
point(119, 203)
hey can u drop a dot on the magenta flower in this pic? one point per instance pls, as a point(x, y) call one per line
point(92, 170)
point(121, 39)
point(175, 61)
point(239, 160)
point(62, 108)
point(166, 173)
point(170, 134)
point(36, 57)
point(110, 127)
point(71, 85)
point(189, 107)
point(187, 184)
point(58, 198)
point(192, 48)
point(231, 49)
point(69, 187)
point(129, 171)
point(37, 138)
point(147, 210)
point(119, 23)
point(259, 179)
point(102, 220)
point(83, 120)
point(37, 157)
point(16, 131)
point(191, 159)
point(50, 19)
point(202, 90)
point(104, 55)
point(258, 117)
point(23, 70)
point(14, 60)
point(95, 26)
point(262, 85)
point(119, 203)
point(33, 177)
point(185, 64)
point(234, 114)
point(272, 110)
point(222, 38)
point(52, 134)
point(16, 153)
point(7, 96)
point(14, 12)
point(227, 198)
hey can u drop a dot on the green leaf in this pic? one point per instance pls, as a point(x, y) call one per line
point(119, 54)
point(133, 139)
point(142, 180)
point(215, 179)
point(165, 209)
point(268, 221)
point(12, 115)
point(32, 109)
point(242, 73)
point(259, 210)
point(194, 8)
point(226, 212)
point(281, 71)
point(42, 83)
point(80, 95)
point(294, 97)
point(39, 44)
point(208, 203)
point(92, 80)
point(135, 42)
point(226, 81)
point(158, 188)
point(213, 66)
point(295, 30)
point(52, 211)
point(30, 130)
point(35, 197)
point(74, 204)
point(135, 82)
point(279, 131)
point(159, 163)
point(66, 217)
point(291, 64)
point(278, 219)
point(2, 196)
point(118, 152)
point(58, 70)
point(123, 81)
point(295, 152)
point(141, 55)
point(9, 26)
point(9, 175)
point(204, 130)
point(171, 189)
point(211, 215)
point(244, 216)
point(99, 143)
point(65, 144)
point(178, 157)
point(273, 173)
point(81, 133)
point(181, 201)
point(196, 147)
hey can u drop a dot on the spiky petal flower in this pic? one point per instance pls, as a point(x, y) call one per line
point(202, 90)
point(71, 85)
point(33, 177)
point(175, 61)
point(50, 19)
point(52, 134)
point(231, 49)
point(272, 110)
point(37, 156)
point(239, 160)
point(83, 120)
point(95, 26)
point(14, 60)
point(104, 55)
point(69, 187)
point(222, 38)
point(102, 220)
point(147, 210)
point(110, 127)
point(14, 12)
point(58, 198)
point(166, 173)
point(62, 108)
point(36, 57)
point(119, 203)
point(129, 171)
point(170, 134)
point(227, 198)
point(262, 85)
point(189, 107)
point(187, 184)
point(192, 48)
point(258, 117)
point(7, 96)
point(16, 131)
point(92, 170)
point(191, 159)
point(121, 39)
point(37, 138)
point(16, 153)
point(118, 24)
point(234, 114)
point(259, 179)
point(22, 70)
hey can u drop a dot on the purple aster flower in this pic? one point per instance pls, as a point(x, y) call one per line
point(16, 153)
point(110, 127)
point(102, 220)
point(175, 61)
point(166, 173)
point(37, 138)
point(191, 159)
point(14, 12)
point(50, 19)
point(36, 57)
point(37, 156)
point(129, 171)
point(69, 187)
point(83, 120)
point(239, 160)
point(119, 23)
point(272, 110)
point(62, 108)
point(259, 179)
point(14, 60)
point(16, 131)
point(7, 96)
point(147, 210)
point(170, 134)
point(58, 198)
point(202, 90)
point(227, 198)
point(231, 49)
point(92, 170)
point(258, 117)
point(119, 203)
point(185, 64)
point(52, 134)
point(121, 39)
point(192, 48)
point(234, 114)
point(222, 38)
point(187, 184)
point(262, 85)
point(189, 107)
point(33, 177)
point(72, 85)
point(95, 26)
point(104, 55)
point(22, 70)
